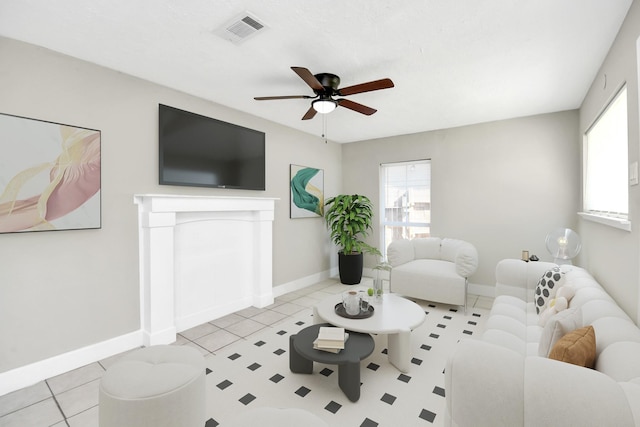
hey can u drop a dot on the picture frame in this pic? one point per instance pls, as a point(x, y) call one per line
point(50, 176)
point(306, 192)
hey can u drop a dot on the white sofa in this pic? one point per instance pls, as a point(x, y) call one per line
point(432, 268)
point(503, 380)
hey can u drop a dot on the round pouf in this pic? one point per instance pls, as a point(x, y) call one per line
point(159, 386)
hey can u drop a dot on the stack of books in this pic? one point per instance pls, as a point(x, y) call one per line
point(330, 339)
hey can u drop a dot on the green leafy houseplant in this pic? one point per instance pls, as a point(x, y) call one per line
point(349, 218)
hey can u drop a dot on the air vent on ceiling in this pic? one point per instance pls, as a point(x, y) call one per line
point(241, 28)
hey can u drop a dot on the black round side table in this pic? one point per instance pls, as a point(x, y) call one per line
point(357, 347)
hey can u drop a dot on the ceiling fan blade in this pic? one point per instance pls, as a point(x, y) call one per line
point(366, 87)
point(310, 114)
point(363, 109)
point(269, 98)
point(308, 77)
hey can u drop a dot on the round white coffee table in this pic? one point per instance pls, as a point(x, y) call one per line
point(393, 316)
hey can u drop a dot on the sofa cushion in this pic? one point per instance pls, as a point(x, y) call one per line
point(577, 347)
point(547, 287)
point(441, 273)
point(513, 324)
point(610, 330)
point(400, 252)
point(585, 294)
point(597, 309)
point(508, 305)
point(441, 285)
point(620, 361)
point(558, 326)
point(426, 248)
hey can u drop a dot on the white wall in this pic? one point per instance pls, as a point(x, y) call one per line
point(62, 291)
point(501, 186)
point(610, 254)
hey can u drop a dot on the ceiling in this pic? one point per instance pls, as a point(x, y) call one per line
point(453, 62)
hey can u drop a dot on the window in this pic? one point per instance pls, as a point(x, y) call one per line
point(406, 201)
point(605, 172)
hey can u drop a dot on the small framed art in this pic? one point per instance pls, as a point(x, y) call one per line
point(307, 192)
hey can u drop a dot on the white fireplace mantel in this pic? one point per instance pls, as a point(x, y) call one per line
point(201, 258)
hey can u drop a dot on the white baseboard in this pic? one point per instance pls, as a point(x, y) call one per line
point(215, 311)
point(28, 375)
point(165, 336)
point(302, 282)
point(482, 290)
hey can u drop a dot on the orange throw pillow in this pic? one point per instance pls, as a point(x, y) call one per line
point(577, 347)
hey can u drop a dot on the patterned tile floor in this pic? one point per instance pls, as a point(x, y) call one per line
point(71, 399)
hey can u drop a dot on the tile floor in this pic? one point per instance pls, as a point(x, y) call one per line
point(71, 399)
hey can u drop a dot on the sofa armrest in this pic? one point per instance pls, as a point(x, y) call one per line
point(573, 396)
point(484, 386)
point(529, 391)
point(519, 278)
point(466, 260)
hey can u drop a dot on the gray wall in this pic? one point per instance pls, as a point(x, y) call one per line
point(501, 186)
point(610, 254)
point(64, 290)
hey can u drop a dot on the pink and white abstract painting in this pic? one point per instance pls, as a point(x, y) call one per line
point(49, 176)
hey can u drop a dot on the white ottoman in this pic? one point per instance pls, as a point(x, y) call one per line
point(276, 417)
point(157, 386)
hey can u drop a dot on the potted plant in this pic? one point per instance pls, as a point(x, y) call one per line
point(349, 219)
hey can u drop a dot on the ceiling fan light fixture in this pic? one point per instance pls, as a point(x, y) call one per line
point(324, 106)
point(325, 86)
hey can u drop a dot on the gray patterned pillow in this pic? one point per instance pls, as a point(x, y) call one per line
point(547, 286)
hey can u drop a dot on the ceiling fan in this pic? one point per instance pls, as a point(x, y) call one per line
point(325, 87)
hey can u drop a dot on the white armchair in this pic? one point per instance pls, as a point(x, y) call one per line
point(432, 269)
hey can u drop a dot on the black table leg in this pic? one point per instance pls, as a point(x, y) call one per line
point(349, 380)
point(297, 363)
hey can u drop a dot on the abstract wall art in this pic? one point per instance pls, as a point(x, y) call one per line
point(49, 176)
point(307, 192)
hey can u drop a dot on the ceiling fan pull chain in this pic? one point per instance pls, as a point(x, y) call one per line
point(324, 127)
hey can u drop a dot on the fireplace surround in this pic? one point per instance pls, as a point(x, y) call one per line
point(201, 258)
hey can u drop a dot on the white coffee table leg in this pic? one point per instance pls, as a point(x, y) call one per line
point(399, 350)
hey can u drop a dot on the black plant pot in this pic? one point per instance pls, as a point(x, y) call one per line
point(350, 267)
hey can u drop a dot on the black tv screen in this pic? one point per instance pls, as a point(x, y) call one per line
point(201, 151)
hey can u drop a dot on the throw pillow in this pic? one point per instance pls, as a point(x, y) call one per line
point(547, 286)
point(577, 347)
point(557, 304)
point(558, 326)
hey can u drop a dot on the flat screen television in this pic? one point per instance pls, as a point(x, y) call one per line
point(200, 151)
